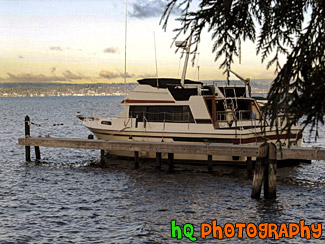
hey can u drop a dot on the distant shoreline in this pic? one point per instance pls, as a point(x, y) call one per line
point(60, 90)
point(16, 89)
point(72, 95)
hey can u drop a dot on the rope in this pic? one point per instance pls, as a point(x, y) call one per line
point(49, 125)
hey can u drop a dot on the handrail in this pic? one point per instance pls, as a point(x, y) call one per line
point(221, 115)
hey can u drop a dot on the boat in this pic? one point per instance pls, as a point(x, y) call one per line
point(182, 110)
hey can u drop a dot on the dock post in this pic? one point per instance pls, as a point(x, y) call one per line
point(270, 173)
point(102, 158)
point(136, 160)
point(27, 134)
point(158, 160)
point(37, 153)
point(170, 162)
point(210, 163)
point(249, 166)
point(259, 170)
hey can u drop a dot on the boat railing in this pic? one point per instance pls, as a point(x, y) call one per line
point(92, 109)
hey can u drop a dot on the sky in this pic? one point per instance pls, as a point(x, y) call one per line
point(83, 41)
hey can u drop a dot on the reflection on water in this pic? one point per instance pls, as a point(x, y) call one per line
point(65, 200)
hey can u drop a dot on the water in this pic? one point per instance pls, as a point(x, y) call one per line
point(66, 200)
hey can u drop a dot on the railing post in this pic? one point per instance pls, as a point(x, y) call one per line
point(27, 134)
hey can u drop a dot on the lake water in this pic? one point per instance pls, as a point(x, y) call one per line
point(65, 199)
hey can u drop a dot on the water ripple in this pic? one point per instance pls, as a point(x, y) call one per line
point(64, 199)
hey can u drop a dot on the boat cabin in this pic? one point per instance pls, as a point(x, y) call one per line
point(165, 100)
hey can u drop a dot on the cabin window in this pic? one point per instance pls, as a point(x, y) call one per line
point(243, 108)
point(106, 122)
point(172, 114)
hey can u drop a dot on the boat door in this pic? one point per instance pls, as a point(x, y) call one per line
point(210, 103)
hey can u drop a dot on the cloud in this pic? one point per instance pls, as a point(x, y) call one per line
point(56, 48)
point(72, 76)
point(110, 75)
point(127, 75)
point(53, 69)
point(110, 50)
point(28, 77)
point(147, 9)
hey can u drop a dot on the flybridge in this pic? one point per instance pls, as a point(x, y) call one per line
point(193, 88)
point(179, 92)
point(165, 82)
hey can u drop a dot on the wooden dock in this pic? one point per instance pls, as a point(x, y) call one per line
point(266, 154)
point(314, 153)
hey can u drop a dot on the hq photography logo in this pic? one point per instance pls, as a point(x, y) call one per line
point(251, 230)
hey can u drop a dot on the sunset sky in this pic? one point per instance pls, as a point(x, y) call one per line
point(83, 41)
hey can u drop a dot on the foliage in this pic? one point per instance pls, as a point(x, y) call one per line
point(294, 28)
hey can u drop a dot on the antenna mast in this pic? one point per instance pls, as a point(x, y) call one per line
point(126, 29)
point(154, 38)
point(187, 49)
point(125, 41)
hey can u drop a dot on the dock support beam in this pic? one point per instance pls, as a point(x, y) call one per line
point(27, 134)
point(158, 160)
point(136, 160)
point(265, 171)
point(170, 162)
point(210, 163)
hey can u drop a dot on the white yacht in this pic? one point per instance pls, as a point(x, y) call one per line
point(180, 110)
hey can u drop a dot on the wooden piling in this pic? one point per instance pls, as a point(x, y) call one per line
point(37, 153)
point(259, 171)
point(170, 162)
point(158, 160)
point(265, 172)
point(102, 158)
point(249, 165)
point(257, 179)
point(27, 134)
point(136, 160)
point(210, 163)
point(270, 174)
